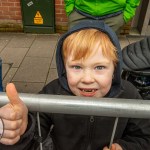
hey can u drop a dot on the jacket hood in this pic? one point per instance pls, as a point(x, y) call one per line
point(99, 25)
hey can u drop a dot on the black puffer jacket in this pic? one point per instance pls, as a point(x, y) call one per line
point(136, 56)
point(78, 132)
point(136, 65)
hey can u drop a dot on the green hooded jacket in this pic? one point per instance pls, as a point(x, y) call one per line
point(103, 7)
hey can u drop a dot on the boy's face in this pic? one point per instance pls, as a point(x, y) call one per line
point(91, 77)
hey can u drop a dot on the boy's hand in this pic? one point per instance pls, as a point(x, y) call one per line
point(114, 146)
point(14, 116)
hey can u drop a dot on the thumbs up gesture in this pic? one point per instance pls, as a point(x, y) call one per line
point(14, 116)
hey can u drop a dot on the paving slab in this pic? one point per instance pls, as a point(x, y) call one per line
point(25, 87)
point(148, 31)
point(52, 75)
point(9, 76)
point(13, 55)
point(42, 49)
point(22, 40)
point(5, 69)
point(53, 63)
point(7, 35)
point(33, 69)
point(3, 43)
point(50, 37)
point(1, 48)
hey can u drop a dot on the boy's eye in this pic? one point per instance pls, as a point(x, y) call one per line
point(76, 67)
point(99, 67)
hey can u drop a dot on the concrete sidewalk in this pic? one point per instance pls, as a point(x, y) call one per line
point(29, 59)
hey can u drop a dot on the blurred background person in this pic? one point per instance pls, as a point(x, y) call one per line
point(114, 13)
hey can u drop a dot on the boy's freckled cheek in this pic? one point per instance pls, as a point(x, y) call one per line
point(71, 79)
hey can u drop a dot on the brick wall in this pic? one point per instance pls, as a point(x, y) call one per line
point(10, 15)
point(60, 16)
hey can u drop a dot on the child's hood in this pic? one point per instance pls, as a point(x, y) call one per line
point(99, 25)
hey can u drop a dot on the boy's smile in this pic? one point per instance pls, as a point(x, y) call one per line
point(91, 76)
point(88, 92)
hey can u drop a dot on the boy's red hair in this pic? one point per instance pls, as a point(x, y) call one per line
point(80, 45)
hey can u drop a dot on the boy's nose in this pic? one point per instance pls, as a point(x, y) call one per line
point(87, 77)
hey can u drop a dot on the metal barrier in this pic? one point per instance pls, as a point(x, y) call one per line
point(113, 107)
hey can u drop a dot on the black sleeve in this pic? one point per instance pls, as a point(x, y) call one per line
point(136, 135)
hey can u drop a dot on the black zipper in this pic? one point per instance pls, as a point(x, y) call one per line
point(90, 132)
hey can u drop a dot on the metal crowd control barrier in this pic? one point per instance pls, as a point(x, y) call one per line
point(84, 105)
point(111, 107)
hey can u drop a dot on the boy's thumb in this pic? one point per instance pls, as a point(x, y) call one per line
point(12, 94)
point(18, 105)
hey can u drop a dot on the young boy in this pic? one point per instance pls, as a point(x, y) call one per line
point(89, 64)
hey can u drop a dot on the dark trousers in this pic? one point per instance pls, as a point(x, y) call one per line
point(115, 22)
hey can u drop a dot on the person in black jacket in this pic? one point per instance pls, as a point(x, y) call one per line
point(89, 64)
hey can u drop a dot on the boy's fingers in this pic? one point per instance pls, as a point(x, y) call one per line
point(113, 147)
point(105, 148)
point(9, 141)
point(12, 125)
point(11, 134)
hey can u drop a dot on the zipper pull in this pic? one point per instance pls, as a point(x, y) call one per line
point(91, 119)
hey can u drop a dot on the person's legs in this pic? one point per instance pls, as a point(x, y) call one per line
point(115, 22)
point(74, 18)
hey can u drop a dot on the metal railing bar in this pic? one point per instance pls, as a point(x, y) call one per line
point(112, 107)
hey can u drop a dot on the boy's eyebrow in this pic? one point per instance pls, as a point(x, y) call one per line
point(95, 63)
point(102, 62)
point(105, 62)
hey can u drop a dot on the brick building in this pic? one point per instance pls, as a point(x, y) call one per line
point(11, 16)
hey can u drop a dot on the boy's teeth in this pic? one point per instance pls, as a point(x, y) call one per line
point(88, 90)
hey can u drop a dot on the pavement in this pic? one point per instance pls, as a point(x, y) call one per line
point(28, 60)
